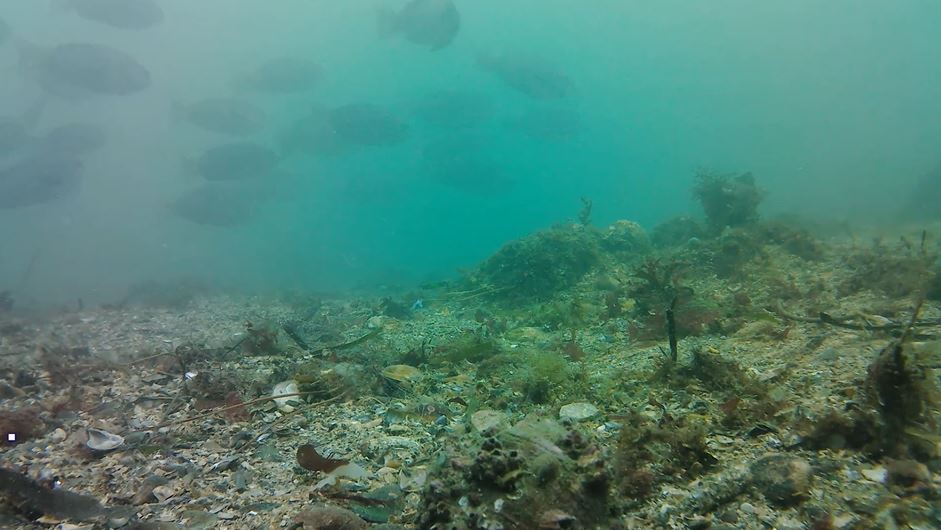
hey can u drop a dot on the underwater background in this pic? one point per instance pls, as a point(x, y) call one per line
point(832, 105)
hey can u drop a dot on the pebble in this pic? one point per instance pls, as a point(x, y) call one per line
point(487, 419)
point(788, 523)
point(59, 435)
point(578, 411)
point(876, 474)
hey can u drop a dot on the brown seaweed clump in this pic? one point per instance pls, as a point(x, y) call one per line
point(728, 201)
point(903, 389)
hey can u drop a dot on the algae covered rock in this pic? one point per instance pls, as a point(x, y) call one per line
point(782, 479)
point(578, 411)
point(625, 237)
point(539, 266)
point(676, 231)
point(535, 473)
point(728, 201)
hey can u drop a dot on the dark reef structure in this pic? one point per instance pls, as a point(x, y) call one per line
point(540, 266)
point(728, 201)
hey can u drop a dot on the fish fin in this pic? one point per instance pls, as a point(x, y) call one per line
point(487, 61)
point(178, 111)
point(190, 166)
point(33, 114)
point(387, 22)
point(30, 56)
point(61, 5)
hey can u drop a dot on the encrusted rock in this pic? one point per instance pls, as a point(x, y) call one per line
point(487, 419)
point(782, 479)
point(626, 236)
point(578, 411)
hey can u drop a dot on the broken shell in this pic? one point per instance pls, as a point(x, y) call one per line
point(284, 388)
point(99, 440)
point(401, 372)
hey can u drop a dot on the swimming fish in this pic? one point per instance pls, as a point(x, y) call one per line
point(78, 138)
point(284, 75)
point(38, 179)
point(532, 78)
point(366, 124)
point(430, 23)
point(80, 69)
point(122, 14)
point(222, 115)
point(216, 204)
point(551, 124)
point(237, 161)
point(454, 109)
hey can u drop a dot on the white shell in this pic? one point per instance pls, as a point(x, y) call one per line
point(103, 440)
point(282, 388)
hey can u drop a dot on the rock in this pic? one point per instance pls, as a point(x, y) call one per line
point(487, 419)
point(578, 411)
point(782, 479)
point(324, 517)
point(59, 435)
point(401, 373)
point(626, 236)
point(788, 523)
point(876, 474)
point(145, 493)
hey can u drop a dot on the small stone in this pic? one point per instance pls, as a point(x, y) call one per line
point(375, 322)
point(876, 474)
point(788, 523)
point(487, 419)
point(59, 435)
point(162, 493)
point(782, 479)
point(747, 507)
point(578, 411)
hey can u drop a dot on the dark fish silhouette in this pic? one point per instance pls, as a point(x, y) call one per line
point(39, 179)
point(75, 139)
point(78, 69)
point(313, 135)
point(217, 204)
point(122, 14)
point(222, 115)
point(282, 76)
point(14, 136)
point(237, 161)
point(454, 109)
point(537, 81)
point(462, 162)
point(366, 124)
point(547, 123)
point(431, 23)
point(5, 32)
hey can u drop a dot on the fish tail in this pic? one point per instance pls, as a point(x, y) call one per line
point(30, 57)
point(33, 114)
point(387, 23)
point(177, 111)
point(61, 5)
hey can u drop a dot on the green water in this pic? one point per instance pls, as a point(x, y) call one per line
point(833, 105)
